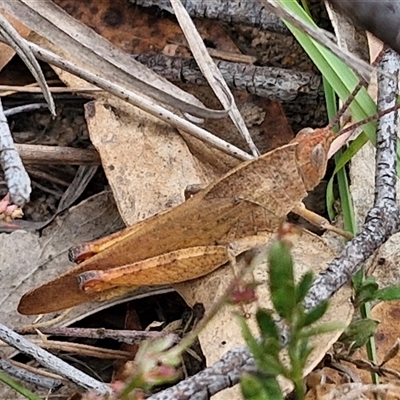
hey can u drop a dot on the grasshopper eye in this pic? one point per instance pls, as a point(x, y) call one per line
point(318, 157)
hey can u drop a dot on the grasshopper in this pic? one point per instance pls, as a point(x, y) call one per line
point(189, 240)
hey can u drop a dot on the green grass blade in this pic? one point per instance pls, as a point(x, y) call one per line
point(338, 74)
point(17, 387)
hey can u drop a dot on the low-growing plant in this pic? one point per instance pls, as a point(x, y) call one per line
point(289, 327)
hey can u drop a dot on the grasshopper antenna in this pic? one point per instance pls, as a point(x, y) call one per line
point(370, 119)
point(361, 83)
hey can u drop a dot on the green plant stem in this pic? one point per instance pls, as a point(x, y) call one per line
point(17, 387)
point(365, 311)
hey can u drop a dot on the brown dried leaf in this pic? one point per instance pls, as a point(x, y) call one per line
point(147, 163)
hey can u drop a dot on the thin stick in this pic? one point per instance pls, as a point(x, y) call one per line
point(61, 155)
point(15, 40)
point(211, 72)
point(28, 376)
point(25, 108)
point(124, 336)
point(18, 182)
point(52, 362)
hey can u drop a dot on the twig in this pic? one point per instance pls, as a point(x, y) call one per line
point(140, 102)
point(247, 12)
point(62, 155)
point(382, 221)
point(124, 336)
point(274, 83)
point(212, 73)
point(7, 90)
point(28, 376)
point(40, 174)
point(25, 108)
point(86, 350)
point(18, 182)
point(52, 362)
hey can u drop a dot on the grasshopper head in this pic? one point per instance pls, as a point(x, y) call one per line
point(312, 154)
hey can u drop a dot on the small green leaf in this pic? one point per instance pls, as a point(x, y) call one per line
point(252, 388)
point(272, 365)
point(271, 346)
point(366, 292)
point(256, 388)
point(365, 282)
point(251, 342)
point(304, 351)
point(267, 324)
point(304, 286)
point(321, 329)
point(358, 332)
point(315, 314)
point(388, 293)
point(281, 280)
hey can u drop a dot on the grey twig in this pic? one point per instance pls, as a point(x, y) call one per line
point(124, 336)
point(28, 376)
point(18, 182)
point(274, 83)
point(24, 108)
point(247, 12)
point(382, 221)
point(51, 362)
point(223, 374)
point(60, 155)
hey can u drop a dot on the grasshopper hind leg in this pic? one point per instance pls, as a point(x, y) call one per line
point(319, 221)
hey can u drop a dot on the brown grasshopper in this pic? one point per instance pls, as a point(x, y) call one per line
point(189, 241)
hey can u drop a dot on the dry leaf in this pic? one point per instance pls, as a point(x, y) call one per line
point(146, 161)
point(385, 336)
